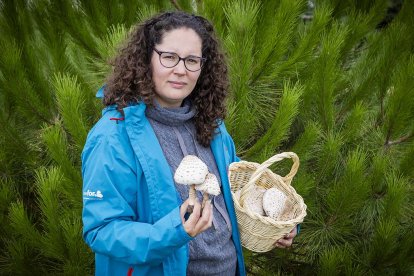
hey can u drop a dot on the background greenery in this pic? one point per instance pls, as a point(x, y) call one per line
point(331, 80)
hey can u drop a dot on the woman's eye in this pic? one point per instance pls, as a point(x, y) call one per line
point(192, 60)
point(169, 57)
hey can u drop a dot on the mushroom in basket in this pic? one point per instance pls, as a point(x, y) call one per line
point(274, 202)
point(254, 200)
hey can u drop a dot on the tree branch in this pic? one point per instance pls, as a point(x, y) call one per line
point(399, 140)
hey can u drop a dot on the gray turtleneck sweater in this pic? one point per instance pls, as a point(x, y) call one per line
point(211, 252)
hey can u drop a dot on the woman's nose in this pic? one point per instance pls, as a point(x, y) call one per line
point(180, 68)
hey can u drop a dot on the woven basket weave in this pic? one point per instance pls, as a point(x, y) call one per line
point(259, 233)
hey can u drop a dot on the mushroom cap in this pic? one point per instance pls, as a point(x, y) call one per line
point(192, 170)
point(288, 212)
point(254, 200)
point(274, 202)
point(210, 185)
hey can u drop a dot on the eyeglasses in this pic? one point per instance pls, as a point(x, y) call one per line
point(169, 60)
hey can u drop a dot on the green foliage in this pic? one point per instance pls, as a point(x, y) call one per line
point(305, 144)
point(213, 10)
point(328, 81)
point(400, 100)
point(275, 32)
point(278, 131)
point(241, 16)
point(7, 197)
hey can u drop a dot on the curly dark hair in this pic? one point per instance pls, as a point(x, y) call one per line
point(131, 79)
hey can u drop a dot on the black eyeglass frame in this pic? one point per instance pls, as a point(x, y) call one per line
point(202, 60)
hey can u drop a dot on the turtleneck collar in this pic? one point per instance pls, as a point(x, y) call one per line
point(171, 116)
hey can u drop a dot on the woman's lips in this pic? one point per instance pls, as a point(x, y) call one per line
point(177, 84)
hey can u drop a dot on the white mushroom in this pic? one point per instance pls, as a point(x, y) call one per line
point(274, 203)
point(288, 211)
point(191, 171)
point(254, 200)
point(210, 186)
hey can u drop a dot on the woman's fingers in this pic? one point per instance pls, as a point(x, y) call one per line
point(283, 243)
point(191, 222)
point(183, 210)
point(287, 240)
point(206, 218)
point(199, 220)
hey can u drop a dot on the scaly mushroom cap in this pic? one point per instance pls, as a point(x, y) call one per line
point(274, 202)
point(288, 211)
point(192, 170)
point(254, 200)
point(210, 185)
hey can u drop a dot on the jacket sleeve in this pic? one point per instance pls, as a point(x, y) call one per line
point(110, 220)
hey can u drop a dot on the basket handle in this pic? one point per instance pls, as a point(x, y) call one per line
point(262, 168)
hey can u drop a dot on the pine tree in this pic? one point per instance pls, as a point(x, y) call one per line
point(332, 81)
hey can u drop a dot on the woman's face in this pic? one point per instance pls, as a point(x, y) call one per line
point(173, 85)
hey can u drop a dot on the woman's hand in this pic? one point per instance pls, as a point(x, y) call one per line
point(199, 220)
point(287, 240)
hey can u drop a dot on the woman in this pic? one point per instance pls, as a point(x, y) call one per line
point(164, 100)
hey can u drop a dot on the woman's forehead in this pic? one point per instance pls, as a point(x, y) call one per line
point(184, 40)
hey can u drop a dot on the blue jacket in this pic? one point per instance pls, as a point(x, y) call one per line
point(130, 205)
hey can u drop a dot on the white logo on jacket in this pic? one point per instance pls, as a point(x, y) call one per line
point(93, 195)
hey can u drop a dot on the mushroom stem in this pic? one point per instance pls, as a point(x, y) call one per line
point(191, 196)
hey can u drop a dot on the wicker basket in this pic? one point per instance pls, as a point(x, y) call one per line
point(259, 233)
